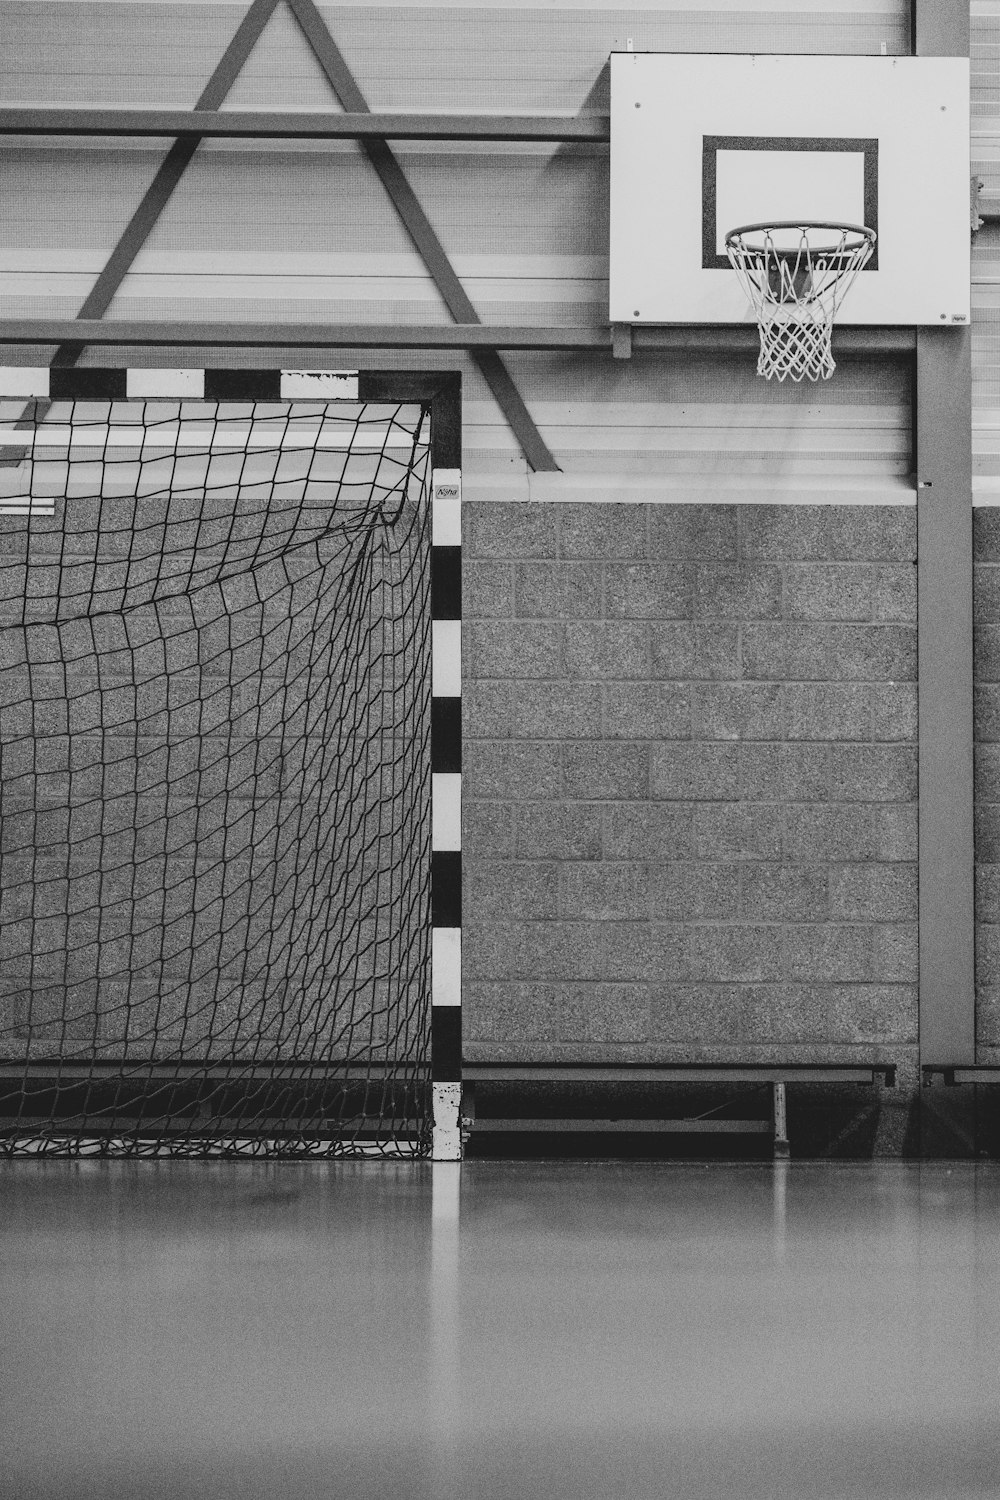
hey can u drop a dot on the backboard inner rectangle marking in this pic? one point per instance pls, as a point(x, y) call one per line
point(761, 179)
point(752, 187)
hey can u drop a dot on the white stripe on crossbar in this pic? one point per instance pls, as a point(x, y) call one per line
point(150, 384)
point(170, 439)
point(320, 384)
point(22, 380)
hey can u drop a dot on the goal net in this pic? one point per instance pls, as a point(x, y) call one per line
point(214, 777)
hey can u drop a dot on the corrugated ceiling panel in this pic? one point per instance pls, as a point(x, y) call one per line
point(985, 68)
point(85, 53)
point(316, 228)
point(985, 64)
point(306, 232)
point(225, 202)
point(282, 70)
point(435, 57)
point(708, 415)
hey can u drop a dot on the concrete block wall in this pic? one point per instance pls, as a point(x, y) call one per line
point(207, 822)
point(986, 607)
point(690, 782)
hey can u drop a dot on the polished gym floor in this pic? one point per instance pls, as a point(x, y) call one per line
point(561, 1330)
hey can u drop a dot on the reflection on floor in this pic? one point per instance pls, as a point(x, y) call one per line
point(562, 1330)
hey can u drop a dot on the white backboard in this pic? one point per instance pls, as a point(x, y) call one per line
point(702, 143)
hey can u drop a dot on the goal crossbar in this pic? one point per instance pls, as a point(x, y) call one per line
point(234, 436)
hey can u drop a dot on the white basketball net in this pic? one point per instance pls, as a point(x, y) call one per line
point(795, 277)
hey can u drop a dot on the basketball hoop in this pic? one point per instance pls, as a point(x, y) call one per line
point(795, 277)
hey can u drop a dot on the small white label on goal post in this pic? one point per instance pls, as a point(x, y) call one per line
point(446, 500)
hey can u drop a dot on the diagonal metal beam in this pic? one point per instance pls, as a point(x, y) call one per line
point(154, 201)
point(421, 232)
point(170, 171)
point(380, 155)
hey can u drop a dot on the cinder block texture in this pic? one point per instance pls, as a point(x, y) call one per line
point(986, 718)
point(690, 782)
point(215, 774)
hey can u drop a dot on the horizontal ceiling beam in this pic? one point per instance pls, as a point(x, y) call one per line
point(719, 338)
point(301, 335)
point(681, 336)
point(315, 125)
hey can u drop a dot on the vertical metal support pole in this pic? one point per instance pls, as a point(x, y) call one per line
point(943, 443)
point(446, 795)
point(782, 1150)
point(941, 28)
point(943, 416)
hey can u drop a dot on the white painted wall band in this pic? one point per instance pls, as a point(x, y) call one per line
point(679, 489)
point(149, 384)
